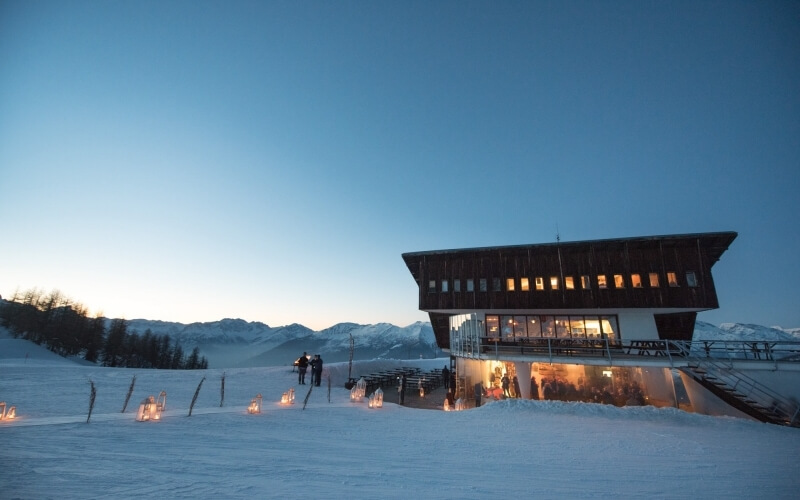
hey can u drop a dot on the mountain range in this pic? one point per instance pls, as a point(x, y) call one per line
point(239, 343)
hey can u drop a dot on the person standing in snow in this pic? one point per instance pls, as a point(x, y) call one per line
point(316, 370)
point(446, 377)
point(302, 366)
point(517, 391)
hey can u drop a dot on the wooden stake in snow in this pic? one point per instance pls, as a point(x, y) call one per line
point(195, 395)
point(305, 401)
point(130, 391)
point(92, 396)
point(222, 390)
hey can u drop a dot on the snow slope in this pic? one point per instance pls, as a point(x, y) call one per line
point(338, 449)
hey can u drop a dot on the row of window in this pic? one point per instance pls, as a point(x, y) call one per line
point(602, 281)
point(512, 327)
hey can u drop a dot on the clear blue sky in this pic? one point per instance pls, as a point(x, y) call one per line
point(190, 161)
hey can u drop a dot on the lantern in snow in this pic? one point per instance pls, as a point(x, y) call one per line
point(291, 395)
point(378, 398)
point(362, 386)
point(285, 398)
point(371, 402)
point(255, 404)
point(146, 409)
point(161, 405)
point(459, 404)
point(446, 405)
point(7, 412)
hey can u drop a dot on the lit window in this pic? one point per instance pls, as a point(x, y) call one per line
point(569, 283)
point(445, 286)
point(691, 279)
point(492, 326)
point(510, 284)
point(636, 281)
point(553, 282)
point(524, 285)
point(495, 284)
point(483, 284)
point(539, 283)
point(585, 283)
point(672, 279)
point(601, 281)
point(470, 285)
point(654, 280)
point(619, 281)
point(432, 286)
point(456, 285)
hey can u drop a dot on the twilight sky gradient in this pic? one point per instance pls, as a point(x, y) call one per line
point(190, 161)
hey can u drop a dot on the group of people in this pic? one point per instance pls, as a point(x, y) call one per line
point(304, 363)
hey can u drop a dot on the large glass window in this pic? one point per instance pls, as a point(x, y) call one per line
point(513, 328)
point(520, 326)
point(636, 281)
point(691, 279)
point(534, 326)
point(445, 287)
point(619, 281)
point(524, 284)
point(569, 283)
point(507, 323)
point(548, 326)
point(577, 327)
point(654, 280)
point(562, 327)
point(493, 326)
point(585, 283)
point(609, 327)
point(553, 282)
point(539, 283)
point(470, 285)
point(601, 281)
point(510, 284)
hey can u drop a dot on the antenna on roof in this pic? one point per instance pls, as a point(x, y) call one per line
point(558, 234)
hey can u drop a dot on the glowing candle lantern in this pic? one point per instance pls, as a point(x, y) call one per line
point(255, 404)
point(371, 402)
point(7, 412)
point(161, 404)
point(291, 395)
point(285, 398)
point(362, 387)
point(146, 409)
point(378, 398)
point(446, 405)
point(459, 404)
point(354, 395)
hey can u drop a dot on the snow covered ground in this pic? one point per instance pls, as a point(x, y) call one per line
point(337, 449)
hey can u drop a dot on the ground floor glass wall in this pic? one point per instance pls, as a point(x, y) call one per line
point(614, 385)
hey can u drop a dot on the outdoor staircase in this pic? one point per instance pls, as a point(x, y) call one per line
point(741, 391)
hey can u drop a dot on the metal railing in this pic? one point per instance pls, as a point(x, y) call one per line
point(611, 348)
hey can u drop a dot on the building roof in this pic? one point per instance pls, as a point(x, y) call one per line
point(714, 245)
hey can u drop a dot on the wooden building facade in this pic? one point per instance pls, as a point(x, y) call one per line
point(668, 278)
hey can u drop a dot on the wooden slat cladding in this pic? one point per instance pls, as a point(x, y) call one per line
point(661, 255)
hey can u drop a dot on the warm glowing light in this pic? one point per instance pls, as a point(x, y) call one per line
point(7, 412)
point(255, 404)
point(607, 373)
